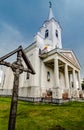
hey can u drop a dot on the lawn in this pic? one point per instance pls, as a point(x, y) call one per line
point(43, 116)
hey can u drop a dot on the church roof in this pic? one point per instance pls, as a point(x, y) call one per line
point(66, 54)
point(70, 56)
point(31, 46)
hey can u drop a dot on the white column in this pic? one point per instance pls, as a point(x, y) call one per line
point(56, 73)
point(56, 90)
point(66, 76)
point(67, 81)
point(74, 79)
point(79, 81)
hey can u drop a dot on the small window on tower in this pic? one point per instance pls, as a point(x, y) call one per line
point(57, 33)
point(46, 33)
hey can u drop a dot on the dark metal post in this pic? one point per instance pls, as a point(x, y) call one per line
point(13, 109)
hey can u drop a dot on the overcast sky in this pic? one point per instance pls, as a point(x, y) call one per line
point(21, 19)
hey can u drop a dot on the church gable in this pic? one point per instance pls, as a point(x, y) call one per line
point(71, 57)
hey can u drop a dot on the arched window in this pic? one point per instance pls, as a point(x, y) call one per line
point(46, 33)
point(27, 76)
point(57, 33)
point(48, 76)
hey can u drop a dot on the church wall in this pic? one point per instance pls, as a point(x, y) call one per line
point(24, 82)
point(30, 91)
point(40, 40)
point(56, 40)
point(37, 68)
point(46, 85)
point(31, 86)
point(52, 27)
point(22, 78)
point(43, 29)
point(7, 78)
point(7, 81)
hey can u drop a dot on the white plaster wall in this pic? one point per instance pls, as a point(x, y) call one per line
point(56, 41)
point(31, 91)
point(40, 40)
point(52, 26)
point(24, 82)
point(34, 80)
point(7, 78)
point(49, 27)
point(22, 79)
point(37, 68)
point(46, 85)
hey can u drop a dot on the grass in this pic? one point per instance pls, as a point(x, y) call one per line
point(43, 116)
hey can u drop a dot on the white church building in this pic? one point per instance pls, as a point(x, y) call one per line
point(57, 70)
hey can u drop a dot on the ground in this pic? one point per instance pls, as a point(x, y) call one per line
point(43, 116)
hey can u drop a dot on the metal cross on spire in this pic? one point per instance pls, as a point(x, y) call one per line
point(50, 6)
point(50, 11)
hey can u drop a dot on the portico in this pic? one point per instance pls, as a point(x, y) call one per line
point(66, 74)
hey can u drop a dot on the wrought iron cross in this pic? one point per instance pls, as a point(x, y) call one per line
point(50, 6)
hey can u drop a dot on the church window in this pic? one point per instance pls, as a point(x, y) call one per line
point(48, 76)
point(27, 76)
point(57, 33)
point(46, 33)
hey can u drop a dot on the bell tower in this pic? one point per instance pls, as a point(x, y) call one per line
point(50, 32)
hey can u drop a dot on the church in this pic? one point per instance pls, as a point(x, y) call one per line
point(57, 69)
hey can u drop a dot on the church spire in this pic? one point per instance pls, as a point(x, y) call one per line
point(50, 11)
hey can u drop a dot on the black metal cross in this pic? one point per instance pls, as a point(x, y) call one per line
point(50, 6)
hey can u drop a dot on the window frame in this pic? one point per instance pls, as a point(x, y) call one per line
point(48, 75)
point(46, 33)
point(56, 33)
